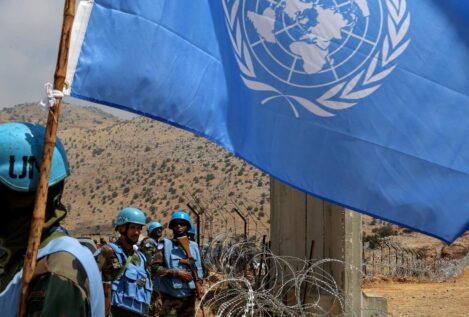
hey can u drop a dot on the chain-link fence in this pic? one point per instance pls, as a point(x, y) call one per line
point(391, 259)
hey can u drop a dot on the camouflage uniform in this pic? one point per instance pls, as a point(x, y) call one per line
point(109, 265)
point(59, 286)
point(172, 306)
point(150, 250)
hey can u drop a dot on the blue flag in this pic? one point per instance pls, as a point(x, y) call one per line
point(362, 103)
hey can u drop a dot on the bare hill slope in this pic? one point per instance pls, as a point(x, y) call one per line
point(146, 164)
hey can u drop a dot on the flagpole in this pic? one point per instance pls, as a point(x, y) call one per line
point(37, 222)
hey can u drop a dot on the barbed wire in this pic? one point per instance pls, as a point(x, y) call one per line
point(392, 260)
point(248, 280)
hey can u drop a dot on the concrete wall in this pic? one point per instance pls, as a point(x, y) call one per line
point(297, 219)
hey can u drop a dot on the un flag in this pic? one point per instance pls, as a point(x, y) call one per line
point(362, 103)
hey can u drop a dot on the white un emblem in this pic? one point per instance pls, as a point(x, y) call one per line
point(342, 49)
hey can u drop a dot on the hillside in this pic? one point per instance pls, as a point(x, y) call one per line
point(158, 168)
point(146, 164)
point(71, 116)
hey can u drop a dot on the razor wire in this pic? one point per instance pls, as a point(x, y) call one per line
point(247, 280)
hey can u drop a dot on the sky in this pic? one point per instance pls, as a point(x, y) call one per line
point(29, 42)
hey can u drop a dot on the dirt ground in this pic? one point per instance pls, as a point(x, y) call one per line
point(445, 299)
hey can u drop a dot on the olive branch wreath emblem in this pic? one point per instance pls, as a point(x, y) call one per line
point(344, 94)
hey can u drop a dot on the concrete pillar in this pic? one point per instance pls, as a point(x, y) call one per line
point(297, 219)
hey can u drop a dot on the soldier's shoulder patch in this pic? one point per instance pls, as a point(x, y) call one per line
point(107, 252)
point(160, 246)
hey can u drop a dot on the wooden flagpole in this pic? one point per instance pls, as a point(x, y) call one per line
point(37, 223)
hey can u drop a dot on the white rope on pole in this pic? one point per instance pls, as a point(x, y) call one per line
point(51, 94)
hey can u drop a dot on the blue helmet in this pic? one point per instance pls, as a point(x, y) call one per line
point(21, 147)
point(130, 215)
point(154, 225)
point(192, 231)
point(180, 215)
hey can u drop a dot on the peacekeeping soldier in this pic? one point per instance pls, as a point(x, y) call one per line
point(149, 247)
point(127, 283)
point(66, 281)
point(154, 233)
point(192, 233)
point(179, 274)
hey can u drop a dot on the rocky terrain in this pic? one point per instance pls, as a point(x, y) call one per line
point(150, 165)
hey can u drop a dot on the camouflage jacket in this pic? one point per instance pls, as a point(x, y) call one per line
point(108, 263)
point(60, 288)
point(150, 250)
point(158, 266)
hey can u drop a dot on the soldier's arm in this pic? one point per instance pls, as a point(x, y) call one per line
point(158, 268)
point(61, 288)
point(108, 263)
point(149, 251)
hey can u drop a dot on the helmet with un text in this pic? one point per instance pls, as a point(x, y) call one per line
point(21, 148)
